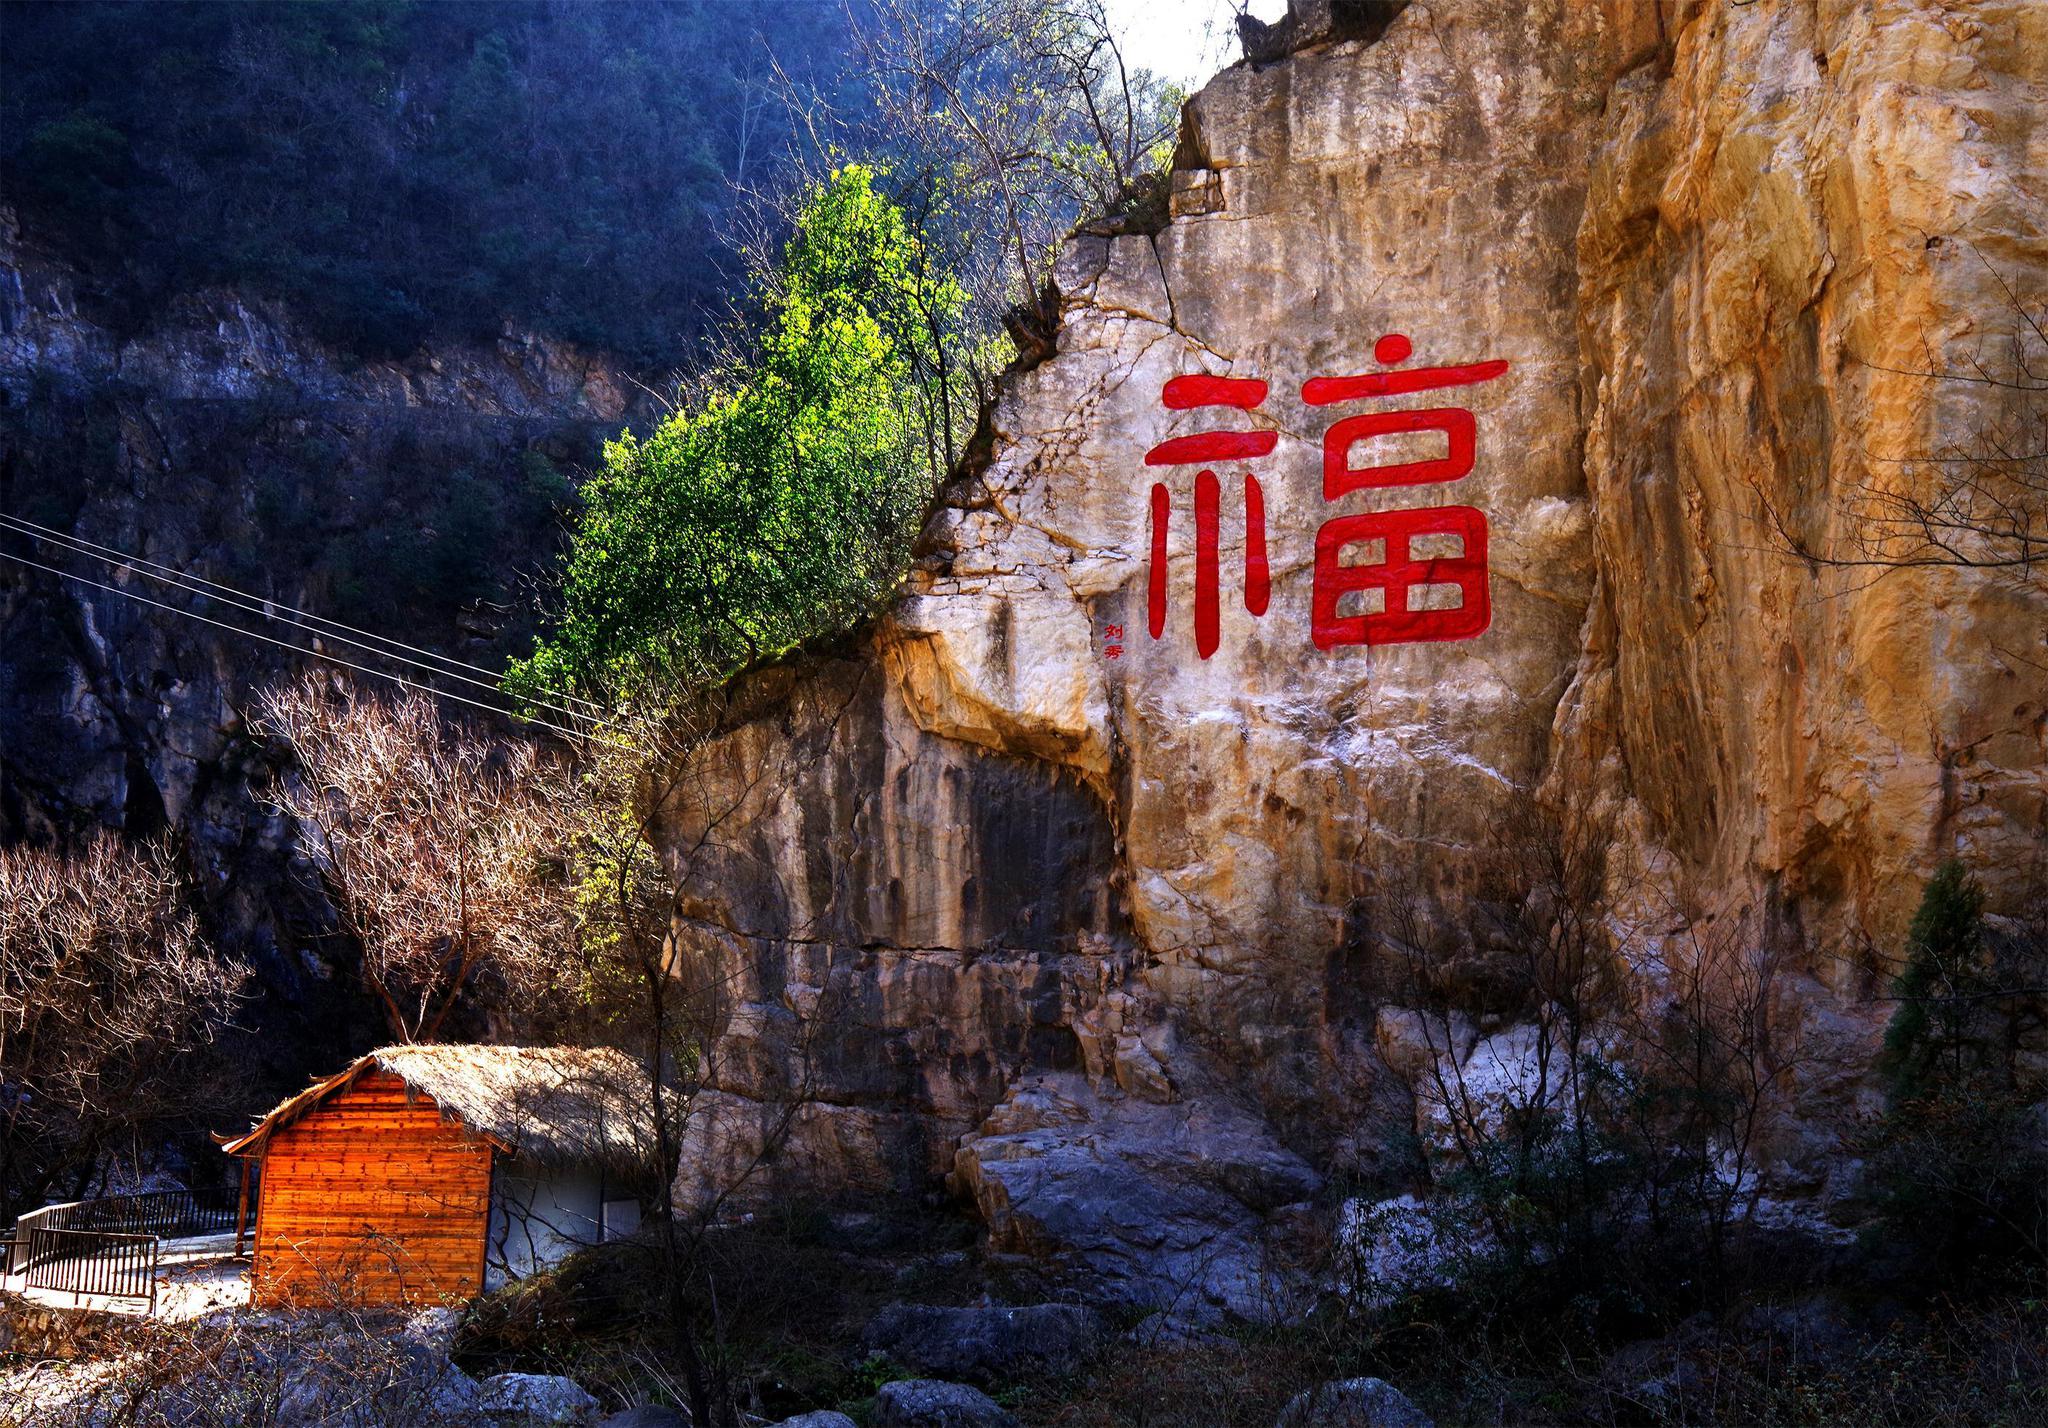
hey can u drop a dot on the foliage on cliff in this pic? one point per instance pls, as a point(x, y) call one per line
point(393, 166)
point(776, 504)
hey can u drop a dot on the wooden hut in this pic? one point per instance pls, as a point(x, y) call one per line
point(429, 1173)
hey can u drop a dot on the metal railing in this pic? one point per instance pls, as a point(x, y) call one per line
point(79, 1262)
point(169, 1214)
point(110, 1245)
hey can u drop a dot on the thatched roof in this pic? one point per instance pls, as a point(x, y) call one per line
point(547, 1105)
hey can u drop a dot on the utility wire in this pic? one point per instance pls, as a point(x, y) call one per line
point(318, 654)
point(262, 605)
point(255, 604)
point(29, 527)
point(269, 608)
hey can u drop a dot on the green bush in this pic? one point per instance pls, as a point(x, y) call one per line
point(780, 502)
point(1957, 1165)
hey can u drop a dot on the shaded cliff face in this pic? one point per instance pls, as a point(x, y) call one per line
point(1023, 895)
point(416, 498)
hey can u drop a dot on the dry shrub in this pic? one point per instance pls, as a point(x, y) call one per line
point(107, 990)
point(339, 1369)
point(442, 845)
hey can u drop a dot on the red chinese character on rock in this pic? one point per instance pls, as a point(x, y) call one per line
point(1185, 394)
point(1400, 569)
point(1399, 572)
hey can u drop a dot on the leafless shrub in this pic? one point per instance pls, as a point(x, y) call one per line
point(1033, 103)
point(1606, 1088)
point(439, 843)
point(1977, 501)
point(336, 1368)
point(106, 990)
point(1715, 1070)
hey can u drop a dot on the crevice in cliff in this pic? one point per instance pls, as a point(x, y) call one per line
point(1165, 285)
point(1314, 22)
point(966, 956)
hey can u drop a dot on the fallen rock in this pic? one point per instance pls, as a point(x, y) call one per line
point(1353, 1403)
point(944, 1262)
point(824, 1418)
point(985, 1346)
point(1387, 1248)
point(455, 1396)
point(649, 1415)
point(535, 1398)
point(1180, 1329)
point(334, 1380)
point(434, 1328)
point(1135, 1203)
point(928, 1403)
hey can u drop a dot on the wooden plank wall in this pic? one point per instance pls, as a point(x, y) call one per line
point(372, 1197)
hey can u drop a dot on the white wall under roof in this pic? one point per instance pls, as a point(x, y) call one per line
point(538, 1219)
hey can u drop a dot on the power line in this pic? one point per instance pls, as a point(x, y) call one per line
point(261, 605)
point(269, 609)
point(255, 609)
point(317, 654)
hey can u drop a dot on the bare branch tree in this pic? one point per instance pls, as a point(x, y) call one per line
point(437, 842)
point(1975, 502)
point(106, 990)
point(1001, 124)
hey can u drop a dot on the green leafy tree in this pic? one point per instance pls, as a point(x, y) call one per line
point(1958, 1171)
point(780, 503)
point(1943, 990)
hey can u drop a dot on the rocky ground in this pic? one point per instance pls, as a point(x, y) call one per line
point(829, 1320)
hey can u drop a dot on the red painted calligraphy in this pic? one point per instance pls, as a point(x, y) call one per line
point(1186, 394)
point(1424, 572)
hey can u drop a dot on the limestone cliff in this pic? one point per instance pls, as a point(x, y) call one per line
point(1019, 894)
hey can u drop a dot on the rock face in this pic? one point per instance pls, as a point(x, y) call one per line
point(1019, 893)
point(1782, 237)
point(522, 1399)
point(1353, 1403)
point(1144, 1203)
point(928, 1403)
point(218, 345)
point(989, 1345)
